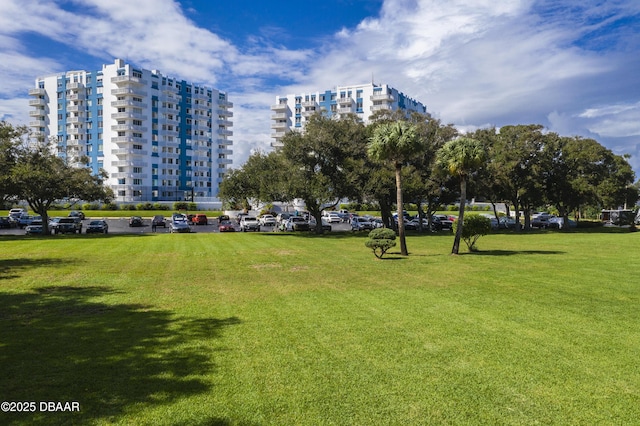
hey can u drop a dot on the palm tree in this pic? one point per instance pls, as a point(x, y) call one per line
point(396, 143)
point(461, 157)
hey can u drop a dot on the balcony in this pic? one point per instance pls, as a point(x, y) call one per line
point(346, 110)
point(221, 141)
point(225, 104)
point(37, 102)
point(127, 102)
point(129, 163)
point(72, 120)
point(279, 107)
point(127, 139)
point(382, 97)
point(128, 115)
point(380, 107)
point(345, 101)
point(37, 123)
point(75, 96)
point(278, 135)
point(225, 132)
point(226, 123)
point(309, 104)
point(37, 113)
point(281, 116)
point(127, 79)
point(75, 142)
point(129, 127)
point(308, 113)
point(74, 131)
point(74, 108)
point(282, 125)
point(75, 85)
point(128, 92)
point(37, 92)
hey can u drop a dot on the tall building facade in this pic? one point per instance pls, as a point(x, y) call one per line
point(291, 112)
point(158, 138)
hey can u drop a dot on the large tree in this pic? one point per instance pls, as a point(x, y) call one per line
point(460, 158)
point(320, 162)
point(11, 143)
point(41, 178)
point(396, 143)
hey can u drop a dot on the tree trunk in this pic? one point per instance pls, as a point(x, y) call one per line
point(403, 241)
point(463, 202)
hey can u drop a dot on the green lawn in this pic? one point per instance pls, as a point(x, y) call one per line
point(281, 329)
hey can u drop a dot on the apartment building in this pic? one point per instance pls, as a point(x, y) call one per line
point(291, 112)
point(157, 137)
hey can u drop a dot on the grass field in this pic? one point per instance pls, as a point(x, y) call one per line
point(281, 329)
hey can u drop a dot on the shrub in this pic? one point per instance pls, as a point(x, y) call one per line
point(128, 207)
point(380, 240)
point(473, 228)
point(89, 206)
point(110, 206)
point(158, 206)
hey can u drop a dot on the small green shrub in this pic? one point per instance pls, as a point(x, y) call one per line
point(473, 228)
point(110, 206)
point(380, 240)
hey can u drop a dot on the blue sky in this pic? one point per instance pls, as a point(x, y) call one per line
point(572, 66)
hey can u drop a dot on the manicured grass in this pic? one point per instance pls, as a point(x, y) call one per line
point(280, 329)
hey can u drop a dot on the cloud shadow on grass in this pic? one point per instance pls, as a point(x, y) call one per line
point(57, 344)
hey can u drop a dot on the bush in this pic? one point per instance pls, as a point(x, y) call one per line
point(128, 207)
point(473, 228)
point(89, 206)
point(380, 240)
point(110, 206)
point(158, 206)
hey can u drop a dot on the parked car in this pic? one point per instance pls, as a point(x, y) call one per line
point(281, 218)
point(326, 226)
point(179, 225)
point(507, 223)
point(75, 213)
point(5, 223)
point(267, 220)
point(35, 228)
point(98, 227)
point(361, 224)
point(226, 226)
point(200, 219)
point(135, 221)
point(249, 223)
point(542, 221)
point(158, 220)
point(332, 217)
point(444, 221)
point(66, 225)
point(558, 223)
point(296, 223)
point(16, 213)
point(25, 220)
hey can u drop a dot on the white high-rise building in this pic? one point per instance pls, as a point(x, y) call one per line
point(157, 137)
point(291, 112)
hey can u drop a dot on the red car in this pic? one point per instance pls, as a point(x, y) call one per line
point(199, 219)
point(226, 226)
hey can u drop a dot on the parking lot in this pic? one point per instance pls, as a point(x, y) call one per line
point(121, 226)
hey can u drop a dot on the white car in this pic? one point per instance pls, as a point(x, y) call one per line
point(332, 217)
point(268, 220)
point(248, 223)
